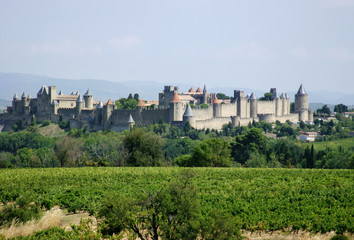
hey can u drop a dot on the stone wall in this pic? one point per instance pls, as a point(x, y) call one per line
point(266, 107)
point(228, 109)
point(214, 123)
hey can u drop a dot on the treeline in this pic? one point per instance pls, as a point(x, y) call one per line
point(165, 145)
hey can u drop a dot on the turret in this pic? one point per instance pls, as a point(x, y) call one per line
point(130, 122)
point(176, 108)
point(16, 97)
point(216, 107)
point(302, 104)
point(205, 97)
point(253, 105)
point(79, 104)
point(188, 116)
point(107, 113)
point(88, 98)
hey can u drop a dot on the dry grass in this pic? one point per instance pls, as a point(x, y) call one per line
point(279, 235)
point(53, 130)
point(50, 218)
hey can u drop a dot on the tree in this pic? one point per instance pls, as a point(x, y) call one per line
point(143, 148)
point(68, 151)
point(324, 110)
point(253, 141)
point(204, 105)
point(212, 152)
point(172, 212)
point(340, 108)
point(222, 96)
point(267, 97)
point(136, 97)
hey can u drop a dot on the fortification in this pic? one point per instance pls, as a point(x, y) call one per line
point(173, 107)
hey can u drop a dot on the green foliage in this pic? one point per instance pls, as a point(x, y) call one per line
point(313, 200)
point(267, 97)
point(340, 108)
point(22, 210)
point(64, 124)
point(212, 152)
point(173, 212)
point(143, 148)
point(256, 160)
point(45, 123)
point(339, 237)
point(204, 105)
point(222, 96)
point(253, 141)
point(127, 103)
point(324, 111)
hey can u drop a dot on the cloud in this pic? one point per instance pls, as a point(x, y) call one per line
point(299, 52)
point(252, 49)
point(338, 3)
point(125, 42)
point(339, 54)
point(64, 48)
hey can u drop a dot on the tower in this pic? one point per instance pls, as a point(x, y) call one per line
point(88, 98)
point(216, 108)
point(302, 104)
point(130, 122)
point(79, 104)
point(253, 105)
point(176, 108)
point(188, 116)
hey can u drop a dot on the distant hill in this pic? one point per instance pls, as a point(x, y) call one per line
point(4, 104)
point(103, 90)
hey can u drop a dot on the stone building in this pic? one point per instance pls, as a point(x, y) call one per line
point(173, 107)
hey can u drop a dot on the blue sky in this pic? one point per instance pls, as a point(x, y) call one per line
point(254, 44)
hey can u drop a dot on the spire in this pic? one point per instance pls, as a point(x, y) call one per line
point(301, 90)
point(282, 95)
point(100, 105)
point(175, 98)
point(60, 93)
point(88, 93)
point(23, 95)
point(55, 102)
point(43, 90)
point(191, 90)
point(287, 96)
point(253, 96)
point(131, 120)
point(216, 100)
point(15, 96)
point(204, 89)
point(141, 103)
point(79, 99)
point(199, 90)
point(188, 112)
point(109, 102)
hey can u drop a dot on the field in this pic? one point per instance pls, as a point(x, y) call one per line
point(346, 143)
point(260, 199)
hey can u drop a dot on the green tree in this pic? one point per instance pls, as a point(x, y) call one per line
point(340, 108)
point(267, 97)
point(212, 152)
point(222, 96)
point(143, 148)
point(136, 97)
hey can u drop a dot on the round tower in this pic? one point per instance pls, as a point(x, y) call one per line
point(216, 108)
point(88, 98)
point(176, 108)
point(130, 122)
point(79, 104)
point(188, 116)
point(253, 105)
point(302, 104)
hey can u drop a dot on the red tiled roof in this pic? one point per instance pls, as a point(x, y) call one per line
point(216, 100)
point(140, 103)
point(175, 98)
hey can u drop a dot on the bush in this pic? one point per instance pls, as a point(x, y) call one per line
point(45, 123)
point(339, 237)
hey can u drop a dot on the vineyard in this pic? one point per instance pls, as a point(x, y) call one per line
point(260, 199)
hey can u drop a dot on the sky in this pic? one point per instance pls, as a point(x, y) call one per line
point(255, 44)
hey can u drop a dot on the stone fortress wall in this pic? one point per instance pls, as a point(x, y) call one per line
point(173, 107)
